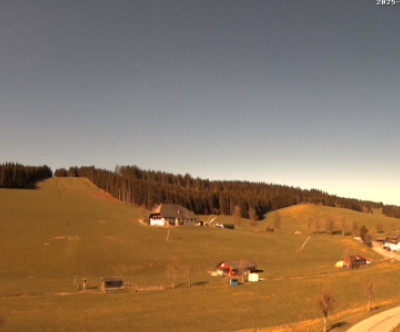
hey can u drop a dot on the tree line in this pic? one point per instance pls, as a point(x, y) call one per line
point(391, 211)
point(146, 188)
point(249, 199)
point(13, 175)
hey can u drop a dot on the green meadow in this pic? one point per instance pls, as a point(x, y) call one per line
point(67, 229)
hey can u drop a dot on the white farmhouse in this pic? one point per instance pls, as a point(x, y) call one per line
point(169, 214)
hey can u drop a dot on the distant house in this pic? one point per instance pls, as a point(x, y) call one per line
point(112, 284)
point(233, 268)
point(391, 243)
point(392, 246)
point(169, 214)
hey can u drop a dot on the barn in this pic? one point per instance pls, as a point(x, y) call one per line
point(171, 214)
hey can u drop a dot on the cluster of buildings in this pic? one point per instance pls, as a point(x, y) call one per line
point(353, 261)
point(391, 243)
point(244, 268)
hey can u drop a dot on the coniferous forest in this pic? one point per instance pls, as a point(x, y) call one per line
point(147, 188)
point(391, 211)
point(14, 175)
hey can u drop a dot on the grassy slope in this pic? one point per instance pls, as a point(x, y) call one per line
point(69, 227)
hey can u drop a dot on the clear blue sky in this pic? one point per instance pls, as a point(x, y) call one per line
point(302, 93)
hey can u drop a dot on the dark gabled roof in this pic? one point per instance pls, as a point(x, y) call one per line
point(113, 279)
point(240, 264)
point(394, 237)
point(173, 211)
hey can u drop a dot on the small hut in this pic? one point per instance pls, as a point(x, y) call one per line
point(112, 284)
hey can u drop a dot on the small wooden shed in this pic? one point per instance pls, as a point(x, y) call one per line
point(112, 284)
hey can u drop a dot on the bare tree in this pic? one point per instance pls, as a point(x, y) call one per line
point(326, 302)
point(370, 290)
point(368, 239)
point(309, 224)
point(237, 215)
point(277, 220)
point(253, 217)
point(188, 272)
point(330, 225)
point(343, 225)
point(172, 272)
point(373, 233)
point(317, 225)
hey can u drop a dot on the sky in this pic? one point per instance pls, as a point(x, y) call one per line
point(298, 93)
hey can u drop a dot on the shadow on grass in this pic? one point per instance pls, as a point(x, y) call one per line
point(32, 186)
point(186, 285)
point(338, 325)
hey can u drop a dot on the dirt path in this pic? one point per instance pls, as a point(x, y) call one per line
point(384, 322)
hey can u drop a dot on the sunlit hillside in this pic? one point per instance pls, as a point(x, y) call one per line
point(299, 216)
point(68, 229)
